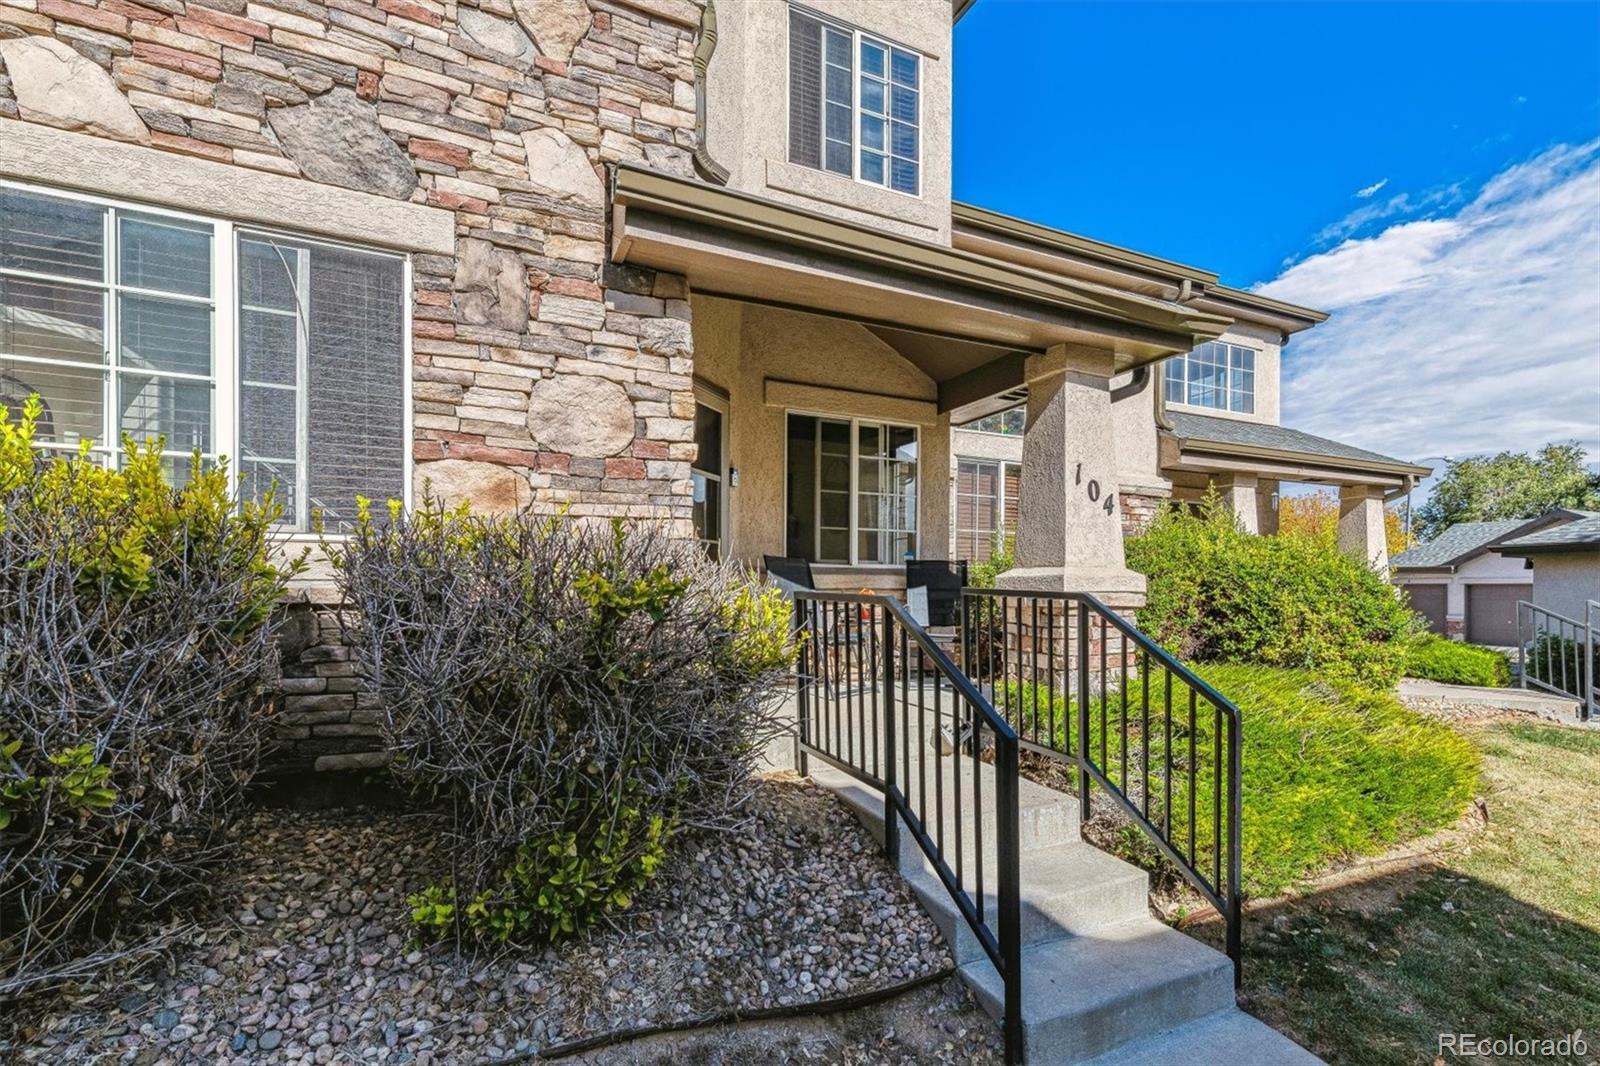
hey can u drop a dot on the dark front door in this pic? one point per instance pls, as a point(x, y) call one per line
point(1429, 602)
point(1492, 613)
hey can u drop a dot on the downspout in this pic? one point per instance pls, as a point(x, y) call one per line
point(704, 165)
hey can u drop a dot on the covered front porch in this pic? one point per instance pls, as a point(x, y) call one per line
point(830, 361)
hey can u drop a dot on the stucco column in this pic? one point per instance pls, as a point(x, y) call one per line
point(1361, 530)
point(1266, 506)
point(1238, 494)
point(1069, 534)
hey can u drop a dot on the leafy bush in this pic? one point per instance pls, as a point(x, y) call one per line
point(1332, 770)
point(1218, 594)
point(135, 671)
point(982, 575)
point(1433, 658)
point(578, 694)
point(1557, 660)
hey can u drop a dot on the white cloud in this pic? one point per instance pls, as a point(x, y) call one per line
point(1472, 332)
point(1367, 192)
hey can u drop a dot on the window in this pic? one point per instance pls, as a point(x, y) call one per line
point(1217, 375)
point(285, 355)
point(987, 499)
point(855, 104)
point(1009, 423)
point(706, 473)
point(851, 491)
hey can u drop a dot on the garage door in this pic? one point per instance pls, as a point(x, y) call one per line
point(1492, 612)
point(1428, 601)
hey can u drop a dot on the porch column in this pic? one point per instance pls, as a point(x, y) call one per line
point(1238, 494)
point(1361, 529)
point(1069, 534)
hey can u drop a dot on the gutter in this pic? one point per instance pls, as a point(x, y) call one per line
point(704, 165)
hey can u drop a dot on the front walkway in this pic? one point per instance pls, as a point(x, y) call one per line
point(1469, 701)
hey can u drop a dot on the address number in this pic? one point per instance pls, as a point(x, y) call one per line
point(1109, 504)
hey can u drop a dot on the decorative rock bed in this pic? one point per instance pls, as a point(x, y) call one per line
point(314, 962)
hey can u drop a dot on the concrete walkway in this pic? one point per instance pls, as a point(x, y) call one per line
point(1435, 695)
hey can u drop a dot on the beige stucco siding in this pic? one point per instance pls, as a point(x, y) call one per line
point(747, 104)
point(768, 361)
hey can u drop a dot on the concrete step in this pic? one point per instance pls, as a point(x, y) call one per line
point(1045, 817)
point(1085, 996)
point(1066, 890)
point(1229, 1036)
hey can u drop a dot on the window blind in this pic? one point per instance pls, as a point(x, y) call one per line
point(805, 90)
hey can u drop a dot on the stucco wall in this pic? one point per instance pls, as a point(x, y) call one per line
point(819, 365)
point(1563, 581)
point(747, 103)
point(1268, 346)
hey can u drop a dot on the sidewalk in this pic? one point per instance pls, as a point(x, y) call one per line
point(1470, 700)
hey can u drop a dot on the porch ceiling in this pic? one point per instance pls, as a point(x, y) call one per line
point(966, 320)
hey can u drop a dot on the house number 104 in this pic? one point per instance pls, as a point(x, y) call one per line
point(1093, 489)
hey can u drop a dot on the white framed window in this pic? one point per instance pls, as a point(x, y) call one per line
point(988, 496)
point(1216, 375)
point(855, 104)
point(851, 490)
point(288, 356)
point(1011, 422)
point(708, 472)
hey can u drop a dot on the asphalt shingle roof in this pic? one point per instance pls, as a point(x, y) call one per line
point(1581, 534)
point(1458, 540)
point(1260, 435)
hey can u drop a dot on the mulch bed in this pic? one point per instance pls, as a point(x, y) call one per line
point(314, 960)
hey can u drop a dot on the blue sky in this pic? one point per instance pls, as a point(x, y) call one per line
point(1430, 173)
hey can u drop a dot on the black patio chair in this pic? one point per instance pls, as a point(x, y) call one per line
point(790, 570)
point(943, 581)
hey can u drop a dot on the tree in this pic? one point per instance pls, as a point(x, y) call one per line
point(1509, 485)
point(1316, 514)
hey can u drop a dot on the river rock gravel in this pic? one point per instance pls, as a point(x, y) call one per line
point(313, 960)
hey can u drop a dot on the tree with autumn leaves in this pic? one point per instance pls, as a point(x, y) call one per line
point(1316, 514)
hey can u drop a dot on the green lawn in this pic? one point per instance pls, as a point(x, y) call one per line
point(1498, 933)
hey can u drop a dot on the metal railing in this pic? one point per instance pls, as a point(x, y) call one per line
point(881, 701)
point(1559, 653)
point(1079, 684)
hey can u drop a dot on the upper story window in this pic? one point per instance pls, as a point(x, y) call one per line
point(1009, 423)
point(1216, 375)
point(855, 105)
point(285, 355)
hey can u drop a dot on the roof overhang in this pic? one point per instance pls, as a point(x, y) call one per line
point(1569, 548)
point(1218, 457)
point(750, 248)
point(1058, 252)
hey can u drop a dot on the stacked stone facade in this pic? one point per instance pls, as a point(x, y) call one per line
point(540, 375)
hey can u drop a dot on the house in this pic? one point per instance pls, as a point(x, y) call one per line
point(1210, 422)
point(1468, 589)
point(1565, 560)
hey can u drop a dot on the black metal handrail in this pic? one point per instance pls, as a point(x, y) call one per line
point(866, 671)
point(1048, 658)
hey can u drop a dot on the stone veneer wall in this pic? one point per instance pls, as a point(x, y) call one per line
point(1138, 510)
point(541, 373)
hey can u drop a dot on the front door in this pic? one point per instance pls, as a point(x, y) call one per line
point(709, 473)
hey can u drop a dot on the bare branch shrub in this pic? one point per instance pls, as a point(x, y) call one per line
point(579, 692)
point(136, 661)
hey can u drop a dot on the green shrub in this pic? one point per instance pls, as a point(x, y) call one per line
point(1332, 770)
point(1218, 594)
point(982, 574)
point(1557, 660)
point(1433, 658)
point(135, 670)
point(579, 693)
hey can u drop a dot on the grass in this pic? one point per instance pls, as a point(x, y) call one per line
point(1433, 658)
point(1498, 933)
point(1332, 770)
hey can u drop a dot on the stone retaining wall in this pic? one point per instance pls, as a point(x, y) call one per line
point(326, 722)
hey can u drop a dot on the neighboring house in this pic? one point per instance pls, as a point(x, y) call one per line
point(1565, 560)
point(1464, 584)
point(1212, 422)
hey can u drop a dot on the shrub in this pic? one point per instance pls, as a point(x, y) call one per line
point(1557, 660)
point(577, 693)
point(1433, 658)
point(1332, 769)
point(135, 670)
point(1218, 594)
point(982, 574)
